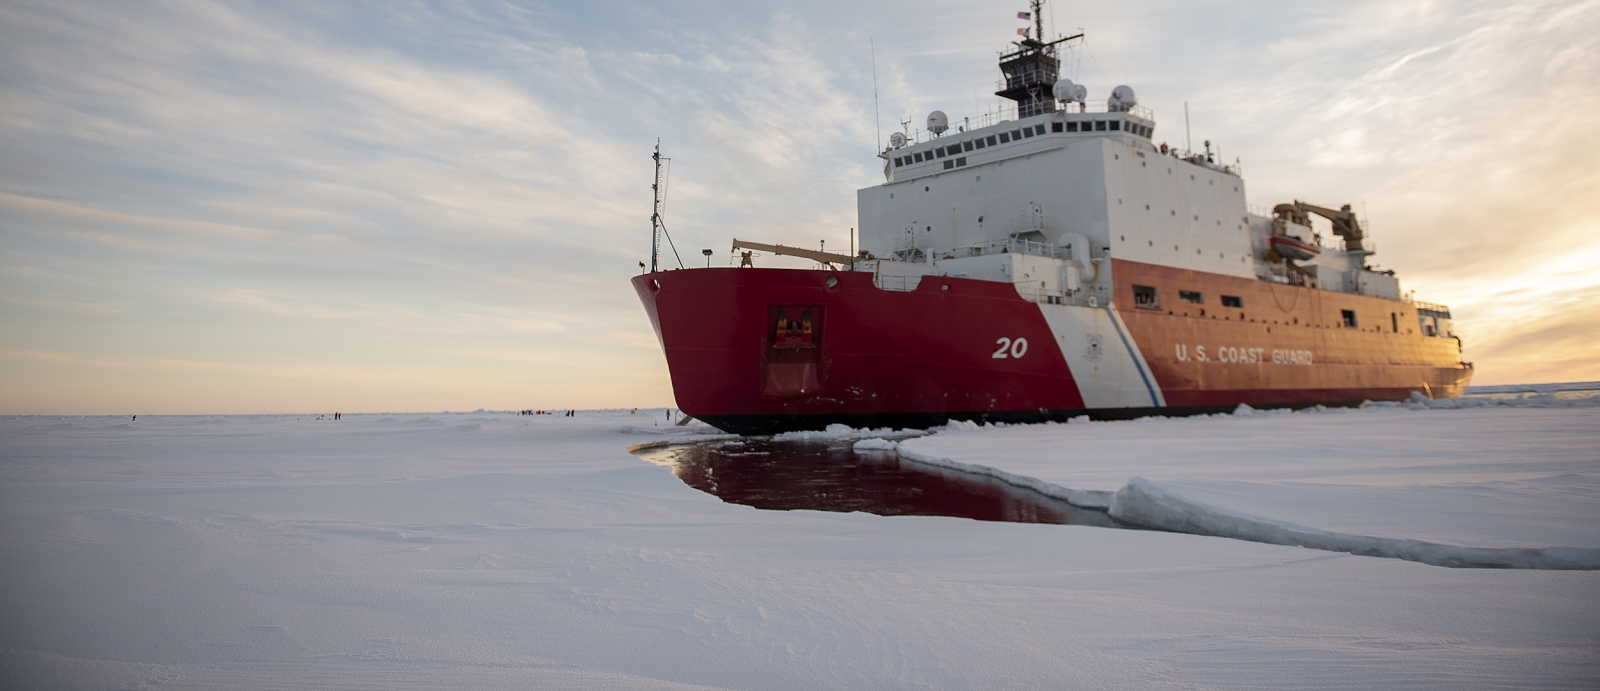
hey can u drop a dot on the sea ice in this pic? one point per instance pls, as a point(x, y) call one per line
point(1507, 486)
point(485, 550)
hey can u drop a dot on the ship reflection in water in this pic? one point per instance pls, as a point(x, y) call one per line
point(823, 476)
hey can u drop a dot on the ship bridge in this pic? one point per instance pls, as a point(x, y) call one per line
point(1015, 138)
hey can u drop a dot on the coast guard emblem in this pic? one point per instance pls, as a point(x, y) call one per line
point(1092, 352)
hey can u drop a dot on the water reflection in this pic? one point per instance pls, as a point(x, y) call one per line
point(830, 476)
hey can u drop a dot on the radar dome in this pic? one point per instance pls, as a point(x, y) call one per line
point(1122, 99)
point(1067, 92)
point(937, 122)
point(897, 140)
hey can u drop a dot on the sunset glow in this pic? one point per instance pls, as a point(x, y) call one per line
point(230, 207)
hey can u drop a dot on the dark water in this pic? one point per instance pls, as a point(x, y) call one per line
point(830, 476)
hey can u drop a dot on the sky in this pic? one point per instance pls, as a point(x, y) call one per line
point(237, 207)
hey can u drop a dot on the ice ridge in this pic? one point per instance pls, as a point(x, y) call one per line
point(1144, 503)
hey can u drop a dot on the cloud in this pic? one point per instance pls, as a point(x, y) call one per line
point(455, 194)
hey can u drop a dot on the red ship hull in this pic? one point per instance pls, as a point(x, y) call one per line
point(761, 351)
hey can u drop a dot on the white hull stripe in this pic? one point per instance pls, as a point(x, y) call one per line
point(1107, 376)
point(1156, 399)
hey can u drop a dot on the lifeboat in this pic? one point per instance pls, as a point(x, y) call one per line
point(1294, 248)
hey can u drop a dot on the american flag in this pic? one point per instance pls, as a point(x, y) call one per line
point(1024, 15)
point(1022, 32)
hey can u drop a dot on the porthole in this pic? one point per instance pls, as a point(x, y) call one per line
point(832, 282)
point(924, 189)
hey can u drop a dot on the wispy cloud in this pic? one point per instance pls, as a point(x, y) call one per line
point(449, 197)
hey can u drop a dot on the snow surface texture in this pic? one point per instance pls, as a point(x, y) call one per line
point(1302, 468)
point(500, 551)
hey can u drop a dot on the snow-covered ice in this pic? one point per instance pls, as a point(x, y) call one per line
point(1439, 482)
point(503, 551)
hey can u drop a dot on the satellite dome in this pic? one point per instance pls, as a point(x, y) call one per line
point(937, 122)
point(1122, 99)
point(1067, 92)
point(897, 140)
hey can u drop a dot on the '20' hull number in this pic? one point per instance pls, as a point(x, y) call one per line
point(1013, 348)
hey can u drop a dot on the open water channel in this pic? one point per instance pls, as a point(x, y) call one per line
point(831, 476)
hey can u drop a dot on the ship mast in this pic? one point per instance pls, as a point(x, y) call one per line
point(658, 227)
point(655, 214)
point(1031, 70)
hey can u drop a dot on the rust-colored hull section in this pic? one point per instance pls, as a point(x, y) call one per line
point(1383, 357)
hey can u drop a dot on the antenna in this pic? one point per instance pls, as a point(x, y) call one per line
point(876, 120)
point(1188, 144)
point(1038, 21)
point(658, 227)
point(655, 210)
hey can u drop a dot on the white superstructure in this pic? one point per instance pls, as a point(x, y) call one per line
point(1038, 200)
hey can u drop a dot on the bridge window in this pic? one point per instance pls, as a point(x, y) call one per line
point(898, 161)
point(1099, 125)
point(1192, 296)
point(953, 149)
point(939, 152)
point(1027, 131)
point(1056, 127)
point(1146, 297)
point(918, 156)
point(1349, 317)
point(1016, 134)
point(1114, 125)
point(966, 146)
point(1232, 301)
point(1038, 129)
point(991, 140)
point(1072, 127)
point(980, 142)
point(961, 161)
